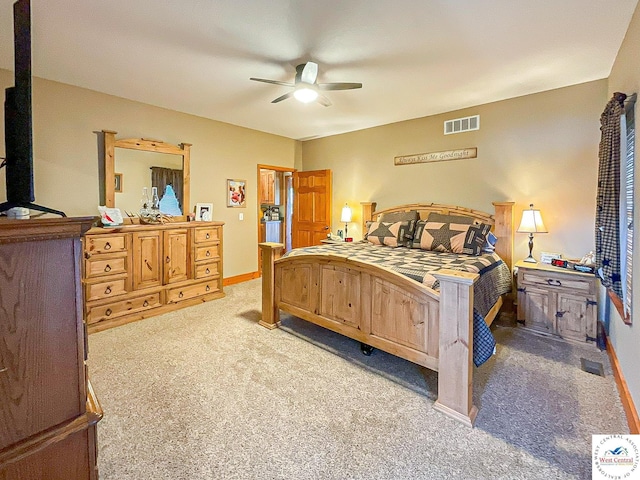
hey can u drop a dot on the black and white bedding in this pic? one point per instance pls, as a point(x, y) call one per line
point(419, 265)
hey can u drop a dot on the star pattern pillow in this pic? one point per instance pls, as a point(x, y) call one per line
point(396, 234)
point(451, 237)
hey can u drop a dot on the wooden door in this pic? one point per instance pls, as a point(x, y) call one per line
point(311, 207)
point(147, 262)
point(176, 255)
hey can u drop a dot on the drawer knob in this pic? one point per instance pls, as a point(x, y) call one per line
point(553, 282)
point(145, 304)
point(107, 246)
point(107, 290)
point(208, 254)
point(108, 312)
point(207, 288)
point(87, 255)
point(168, 260)
point(560, 314)
point(207, 236)
point(107, 268)
point(207, 271)
point(180, 295)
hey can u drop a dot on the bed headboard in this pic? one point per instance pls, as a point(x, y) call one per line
point(501, 221)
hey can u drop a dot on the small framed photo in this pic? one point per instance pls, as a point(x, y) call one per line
point(204, 212)
point(236, 190)
point(118, 182)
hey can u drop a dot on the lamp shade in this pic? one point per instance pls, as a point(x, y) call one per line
point(346, 214)
point(531, 221)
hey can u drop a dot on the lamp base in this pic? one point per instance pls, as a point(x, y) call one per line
point(530, 259)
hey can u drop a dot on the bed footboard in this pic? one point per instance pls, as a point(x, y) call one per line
point(383, 309)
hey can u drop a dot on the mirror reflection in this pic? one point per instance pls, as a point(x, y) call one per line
point(138, 169)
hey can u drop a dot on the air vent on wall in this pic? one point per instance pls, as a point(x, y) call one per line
point(459, 125)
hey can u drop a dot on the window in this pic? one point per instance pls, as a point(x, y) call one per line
point(627, 160)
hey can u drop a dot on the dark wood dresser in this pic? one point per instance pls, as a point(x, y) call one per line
point(48, 411)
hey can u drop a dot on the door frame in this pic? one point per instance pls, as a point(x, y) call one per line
point(261, 166)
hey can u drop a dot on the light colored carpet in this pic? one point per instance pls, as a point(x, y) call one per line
point(206, 393)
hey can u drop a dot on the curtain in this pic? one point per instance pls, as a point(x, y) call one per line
point(608, 196)
point(161, 177)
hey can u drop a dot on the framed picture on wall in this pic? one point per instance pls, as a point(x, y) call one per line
point(204, 212)
point(236, 193)
point(118, 182)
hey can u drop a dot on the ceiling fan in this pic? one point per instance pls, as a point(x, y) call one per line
point(305, 87)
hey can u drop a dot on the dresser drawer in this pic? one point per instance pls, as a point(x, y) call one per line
point(105, 244)
point(107, 289)
point(207, 270)
point(100, 265)
point(207, 253)
point(175, 295)
point(553, 281)
point(123, 307)
point(207, 234)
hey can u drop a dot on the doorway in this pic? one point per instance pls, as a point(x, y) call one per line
point(275, 206)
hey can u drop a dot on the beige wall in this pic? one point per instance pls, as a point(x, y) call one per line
point(540, 149)
point(625, 77)
point(66, 156)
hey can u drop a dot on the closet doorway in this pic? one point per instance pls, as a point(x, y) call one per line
point(275, 206)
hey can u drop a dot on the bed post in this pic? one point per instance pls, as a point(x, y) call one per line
point(455, 357)
point(367, 214)
point(503, 229)
point(270, 313)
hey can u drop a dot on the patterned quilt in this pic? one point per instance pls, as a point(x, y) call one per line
point(419, 265)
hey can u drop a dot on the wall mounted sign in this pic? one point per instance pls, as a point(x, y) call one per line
point(436, 156)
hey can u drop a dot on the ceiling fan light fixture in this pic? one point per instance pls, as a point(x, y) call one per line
point(305, 94)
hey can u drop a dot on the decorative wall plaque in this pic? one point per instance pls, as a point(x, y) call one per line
point(436, 156)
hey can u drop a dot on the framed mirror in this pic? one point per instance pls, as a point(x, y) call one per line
point(129, 165)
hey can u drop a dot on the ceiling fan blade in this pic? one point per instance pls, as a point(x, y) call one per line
point(282, 97)
point(339, 86)
point(274, 82)
point(322, 100)
point(309, 73)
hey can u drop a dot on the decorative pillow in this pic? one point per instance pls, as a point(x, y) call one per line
point(390, 234)
point(394, 217)
point(446, 218)
point(451, 237)
point(490, 245)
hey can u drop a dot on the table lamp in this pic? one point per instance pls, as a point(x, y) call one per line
point(531, 223)
point(346, 218)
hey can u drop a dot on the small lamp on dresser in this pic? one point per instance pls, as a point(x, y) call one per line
point(531, 223)
point(346, 218)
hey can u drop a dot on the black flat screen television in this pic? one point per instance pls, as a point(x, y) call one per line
point(18, 119)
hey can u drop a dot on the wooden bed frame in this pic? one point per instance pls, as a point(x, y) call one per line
point(387, 310)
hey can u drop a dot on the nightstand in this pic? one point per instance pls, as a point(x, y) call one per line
point(557, 301)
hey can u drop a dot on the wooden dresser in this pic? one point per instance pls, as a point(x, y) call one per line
point(138, 271)
point(47, 407)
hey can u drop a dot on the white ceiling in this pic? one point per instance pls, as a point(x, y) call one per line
point(414, 57)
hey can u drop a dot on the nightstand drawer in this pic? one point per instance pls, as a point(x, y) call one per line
point(556, 281)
